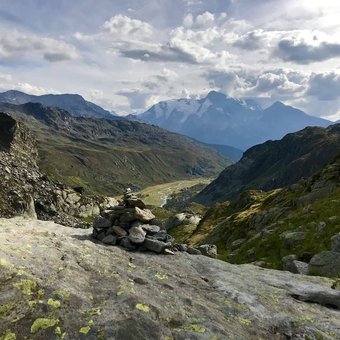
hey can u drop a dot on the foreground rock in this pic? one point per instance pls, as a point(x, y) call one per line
point(58, 283)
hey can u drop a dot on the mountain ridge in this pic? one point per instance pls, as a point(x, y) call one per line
point(220, 119)
point(274, 164)
point(73, 103)
point(106, 156)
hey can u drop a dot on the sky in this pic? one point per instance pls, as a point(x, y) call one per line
point(126, 55)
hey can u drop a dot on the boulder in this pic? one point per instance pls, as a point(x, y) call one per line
point(175, 221)
point(291, 264)
point(110, 239)
point(208, 250)
point(119, 231)
point(292, 239)
point(137, 235)
point(193, 251)
point(326, 263)
point(336, 243)
point(151, 229)
point(155, 245)
point(101, 223)
point(163, 236)
point(127, 244)
point(136, 202)
point(143, 215)
point(237, 243)
point(127, 217)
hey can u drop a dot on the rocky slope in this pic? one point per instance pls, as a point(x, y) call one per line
point(25, 190)
point(301, 221)
point(82, 289)
point(106, 156)
point(73, 103)
point(275, 164)
point(219, 119)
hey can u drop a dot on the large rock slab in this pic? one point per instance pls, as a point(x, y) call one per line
point(336, 243)
point(88, 290)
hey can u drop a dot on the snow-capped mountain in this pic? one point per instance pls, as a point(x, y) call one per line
point(219, 119)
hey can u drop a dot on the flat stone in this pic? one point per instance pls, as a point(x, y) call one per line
point(151, 229)
point(101, 223)
point(163, 236)
point(180, 246)
point(291, 264)
point(136, 202)
point(144, 215)
point(137, 235)
point(155, 245)
point(119, 231)
point(110, 239)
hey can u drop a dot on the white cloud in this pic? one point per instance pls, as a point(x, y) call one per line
point(123, 27)
point(324, 86)
point(15, 45)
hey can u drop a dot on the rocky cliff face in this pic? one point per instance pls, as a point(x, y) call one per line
point(82, 289)
point(25, 190)
point(275, 164)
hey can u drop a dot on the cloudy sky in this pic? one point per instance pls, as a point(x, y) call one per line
point(126, 55)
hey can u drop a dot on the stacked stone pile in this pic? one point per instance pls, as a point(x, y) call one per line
point(132, 226)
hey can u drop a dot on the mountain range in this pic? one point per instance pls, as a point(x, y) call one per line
point(219, 119)
point(73, 103)
point(106, 156)
point(275, 164)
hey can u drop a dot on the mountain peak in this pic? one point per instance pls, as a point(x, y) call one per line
point(215, 96)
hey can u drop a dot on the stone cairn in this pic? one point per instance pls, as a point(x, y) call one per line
point(132, 226)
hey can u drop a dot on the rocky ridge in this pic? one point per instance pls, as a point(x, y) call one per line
point(83, 289)
point(134, 227)
point(25, 190)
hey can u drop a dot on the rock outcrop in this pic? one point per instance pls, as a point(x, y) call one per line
point(25, 190)
point(57, 283)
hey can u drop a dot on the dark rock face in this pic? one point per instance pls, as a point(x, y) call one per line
point(275, 164)
point(326, 263)
point(90, 290)
point(26, 191)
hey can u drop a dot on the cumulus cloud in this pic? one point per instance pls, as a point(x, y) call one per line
point(324, 86)
point(124, 27)
point(252, 40)
point(299, 51)
point(15, 44)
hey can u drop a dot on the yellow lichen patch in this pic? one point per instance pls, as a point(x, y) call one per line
point(131, 265)
point(27, 287)
point(93, 311)
point(5, 263)
point(161, 276)
point(84, 330)
point(21, 272)
point(62, 293)
point(8, 335)
point(57, 331)
point(143, 308)
point(42, 324)
point(53, 303)
point(244, 321)
point(194, 327)
point(6, 309)
point(120, 292)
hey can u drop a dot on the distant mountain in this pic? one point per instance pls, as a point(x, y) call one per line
point(228, 151)
point(218, 119)
point(105, 156)
point(275, 164)
point(73, 103)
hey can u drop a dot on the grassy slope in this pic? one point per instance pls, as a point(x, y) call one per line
point(261, 219)
point(106, 157)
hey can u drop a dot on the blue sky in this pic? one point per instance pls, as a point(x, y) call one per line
point(128, 55)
